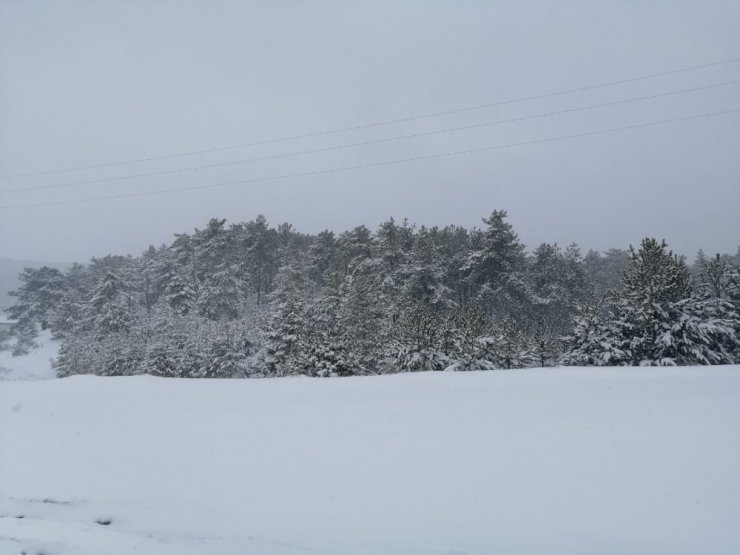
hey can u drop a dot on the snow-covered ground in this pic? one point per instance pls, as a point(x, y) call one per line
point(36, 365)
point(629, 460)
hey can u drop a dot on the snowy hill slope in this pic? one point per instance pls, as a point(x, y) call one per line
point(36, 365)
point(626, 460)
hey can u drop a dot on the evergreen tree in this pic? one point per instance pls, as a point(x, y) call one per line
point(401, 299)
point(284, 350)
point(221, 294)
point(364, 316)
point(655, 282)
point(109, 309)
point(325, 352)
point(605, 273)
point(494, 268)
point(70, 313)
point(38, 300)
point(594, 340)
point(468, 342)
point(260, 255)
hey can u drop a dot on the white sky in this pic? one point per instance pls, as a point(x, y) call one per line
point(83, 83)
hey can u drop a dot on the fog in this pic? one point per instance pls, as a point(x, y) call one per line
point(93, 83)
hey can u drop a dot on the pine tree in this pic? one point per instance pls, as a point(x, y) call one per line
point(467, 340)
point(221, 294)
point(74, 357)
point(703, 332)
point(110, 307)
point(227, 352)
point(494, 268)
point(38, 300)
point(354, 246)
point(605, 273)
point(364, 316)
point(260, 255)
point(180, 294)
point(284, 352)
point(594, 340)
point(325, 353)
point(655, 281)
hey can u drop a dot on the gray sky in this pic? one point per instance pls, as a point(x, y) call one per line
point(84, 83)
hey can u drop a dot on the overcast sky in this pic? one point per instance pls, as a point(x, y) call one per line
point(85, 83)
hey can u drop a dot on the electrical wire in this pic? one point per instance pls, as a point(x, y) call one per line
point(380, 123)
point(370, 142)
point(378, 164)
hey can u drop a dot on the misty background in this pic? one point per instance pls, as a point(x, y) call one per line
point(87, 83)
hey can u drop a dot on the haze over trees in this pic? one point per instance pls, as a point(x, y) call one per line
point(248, 299)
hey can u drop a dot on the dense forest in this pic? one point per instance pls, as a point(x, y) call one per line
point(247, 300)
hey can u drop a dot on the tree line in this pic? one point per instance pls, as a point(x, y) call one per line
point(248, 299)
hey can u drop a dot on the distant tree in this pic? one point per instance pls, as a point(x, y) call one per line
point(261, 255)
point(605, 272)
point(70, 312)
point(558, 285)
point(364, 316)
point(284, 354)
point(221, 294)
point(494, 268)
point(248, 299)
point(323, 344)
point(354, 246)
point(109, 309)
point(38, 298)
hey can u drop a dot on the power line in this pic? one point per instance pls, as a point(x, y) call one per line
point(381, 123)
point(371, 142)
point(378, 164)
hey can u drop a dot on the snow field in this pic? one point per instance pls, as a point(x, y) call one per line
point(567, 460)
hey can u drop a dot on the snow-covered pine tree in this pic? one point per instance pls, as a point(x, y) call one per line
point(451, 248)
point(355, 245)
point(176, 275)
point(495, 269)
point(38, 300)
point(70, 314)
point(423, 304)
point(180, 293)
point(117, 344)
point(545, 272)
point(714, 311)
point(75, 357)
point(222, 295)
point(222, 287)
point(365, 316)
point(467, 340)
point(109, 309)
point(510, 346)
point(594, 339)
point(324, 260)
point(323, 343)
point(227, 351)
point(260, 256)
point(702, 332)
point(647, 308)
point(284, 353)
point(418, 338)
point(719, 278)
